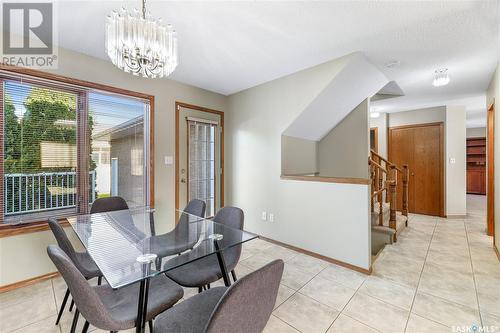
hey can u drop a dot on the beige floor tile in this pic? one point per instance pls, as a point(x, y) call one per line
point(388, 291)
point(344, 276)
point(306, 314)
point(33, 292)
point(417, 324)
point(449, 284)
point(491, 321)
point(453, 262)
point(345, 324)
point(67, 320)
point(294, 277)
point(375, 313)
point(27, 312)
point(284, 293)
point(308, 263)
point(444, 312)
point(276, 325)
point(405, 272)
point(255, 262)
point(328, 292)
point(490, 301)
point(45, 325)
point(279, 252)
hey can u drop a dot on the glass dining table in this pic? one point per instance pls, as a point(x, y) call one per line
point(126, 249)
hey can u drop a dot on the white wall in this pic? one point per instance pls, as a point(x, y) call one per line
point(344, 151)
point(493, 96)
point(476, 132)
point(326, 218)
point(456, 161)
point(24, 256)
point(381, 124)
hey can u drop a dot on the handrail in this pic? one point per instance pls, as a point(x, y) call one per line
point(379, 191)
point(385, 160)
point(377, 165)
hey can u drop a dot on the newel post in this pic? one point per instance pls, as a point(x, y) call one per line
point(392, 202)
point(406, 177)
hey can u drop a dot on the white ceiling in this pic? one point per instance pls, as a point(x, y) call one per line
point(230, 46)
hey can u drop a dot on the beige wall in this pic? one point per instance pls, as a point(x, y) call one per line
point(493, 96)
point(298, 156)
point(344, 151)
point(456, 177)
point(381, 124)
point(326, 218)
point(419, 116)
point(23, 257)
point(476, 132)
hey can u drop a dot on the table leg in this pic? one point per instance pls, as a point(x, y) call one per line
point(223, 267)
point(145, 311)
point(140, 308)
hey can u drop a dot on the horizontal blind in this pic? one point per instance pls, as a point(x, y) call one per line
point(119, 134)
point(40, 151)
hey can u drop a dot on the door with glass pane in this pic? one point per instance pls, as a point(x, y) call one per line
point(199, 158)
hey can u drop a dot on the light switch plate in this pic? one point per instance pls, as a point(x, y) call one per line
point(452, 160)
point(271, 217)
point(264, 216)
point(169, 160)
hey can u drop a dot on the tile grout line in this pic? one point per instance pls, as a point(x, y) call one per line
point(473, 273)
point(55, 301)
point(420, 276)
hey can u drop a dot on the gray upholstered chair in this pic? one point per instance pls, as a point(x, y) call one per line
point(203, 272)
point(244, 307)
point(81, 260)
point(181, 238)
point(108, 309)
point(108, 204)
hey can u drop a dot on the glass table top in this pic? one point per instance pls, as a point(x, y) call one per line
point(125, 250)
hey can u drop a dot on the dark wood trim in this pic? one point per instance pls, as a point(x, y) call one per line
point(357, 181)
point(10, 230)
point(490, 181)
point(178, 105)
point(442, 153)
point(7, 230)
point(71, 81)
point(375, 135)
point(28, 282)
point(319, 256)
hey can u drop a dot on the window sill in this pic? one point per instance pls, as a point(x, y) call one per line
point(7, 230)
point(357, 181)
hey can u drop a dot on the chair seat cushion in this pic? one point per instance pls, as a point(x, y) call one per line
point(191, 315)
point(86, 265)
point(198, 273)
point(122, 303)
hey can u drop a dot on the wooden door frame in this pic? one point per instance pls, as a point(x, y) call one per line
point(178, 106)
point(490, 157)
point(375, 137)
point(442, 160)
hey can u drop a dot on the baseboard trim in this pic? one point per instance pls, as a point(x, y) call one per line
point(456, 216)
point(25, 283)
point(496, 251)
point(319, 256)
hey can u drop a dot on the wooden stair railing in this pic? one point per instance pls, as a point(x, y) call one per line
point(385, 172)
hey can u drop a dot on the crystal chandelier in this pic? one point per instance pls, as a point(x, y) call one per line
point(139, 44)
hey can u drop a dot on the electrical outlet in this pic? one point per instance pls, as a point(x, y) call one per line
point(264, 216)
point(271, 217)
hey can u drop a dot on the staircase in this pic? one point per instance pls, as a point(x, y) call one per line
point(387, 221)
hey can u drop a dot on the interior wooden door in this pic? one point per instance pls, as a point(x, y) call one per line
point(421, 148)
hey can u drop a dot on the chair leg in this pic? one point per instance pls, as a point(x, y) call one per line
point(71, 306)
point(99, 280)
point(233, 273)
point(75, 321)
point(85, 327)
point(150, 323)
point(200, 289)
point(63, 305)
point(208, 286)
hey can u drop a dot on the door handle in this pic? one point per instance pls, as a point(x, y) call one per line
point(183, 180)
point(413, 174)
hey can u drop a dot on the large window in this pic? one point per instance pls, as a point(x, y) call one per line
point(65, 146)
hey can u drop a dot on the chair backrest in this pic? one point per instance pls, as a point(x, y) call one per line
point(232, 217)
point(62, 239)
point(196, 207)
point(248, 303)
point(86, 299)
point(108, 204)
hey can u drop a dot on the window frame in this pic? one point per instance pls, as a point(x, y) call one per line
point(82, 88)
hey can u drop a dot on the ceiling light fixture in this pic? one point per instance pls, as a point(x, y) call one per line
point(139, 44)
point(374, 114)
point(441, 77)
